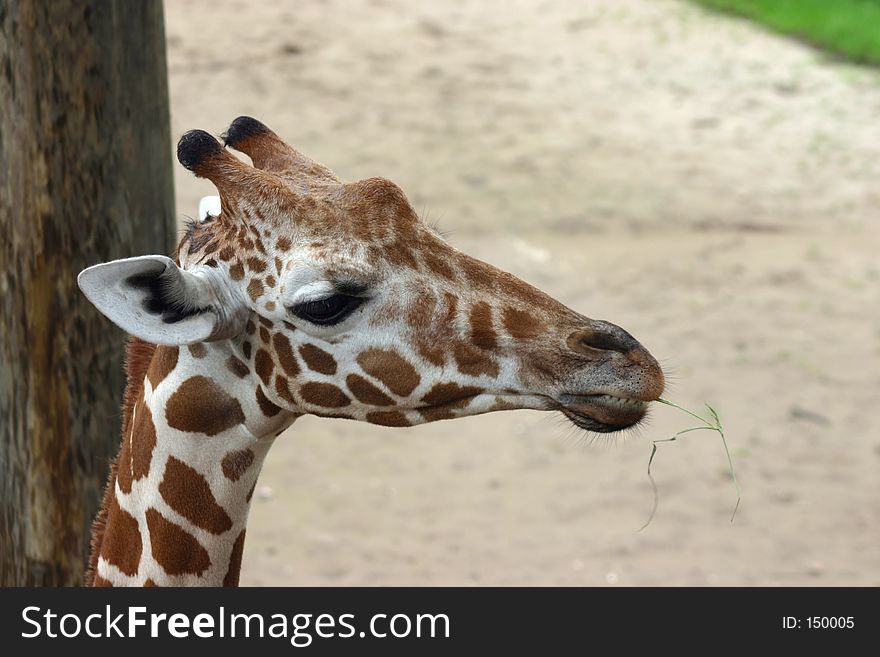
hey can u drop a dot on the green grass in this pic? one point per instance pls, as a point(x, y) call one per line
point(849, 28)
point(712, 423)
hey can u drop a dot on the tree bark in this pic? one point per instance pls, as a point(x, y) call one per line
point(85, 177)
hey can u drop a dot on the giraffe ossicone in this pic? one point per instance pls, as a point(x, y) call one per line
point(298, 293)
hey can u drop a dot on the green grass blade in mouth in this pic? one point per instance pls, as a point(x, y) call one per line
point(713, 424)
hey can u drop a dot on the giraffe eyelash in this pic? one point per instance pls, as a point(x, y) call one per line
point(351, 288)
point(328, 311)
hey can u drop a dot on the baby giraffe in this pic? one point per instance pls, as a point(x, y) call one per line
point(304, 294)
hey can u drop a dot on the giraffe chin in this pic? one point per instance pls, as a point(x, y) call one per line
point(603, 413)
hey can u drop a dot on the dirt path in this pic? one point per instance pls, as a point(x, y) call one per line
point(710, 187)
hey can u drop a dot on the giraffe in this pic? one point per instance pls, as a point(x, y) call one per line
point(298, 293)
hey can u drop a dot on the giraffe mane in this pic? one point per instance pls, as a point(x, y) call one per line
point(138, 354)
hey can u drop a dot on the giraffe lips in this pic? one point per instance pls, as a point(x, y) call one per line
point(603, 412)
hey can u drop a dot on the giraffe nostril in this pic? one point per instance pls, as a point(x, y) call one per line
point(602, 336)
point(603, 341)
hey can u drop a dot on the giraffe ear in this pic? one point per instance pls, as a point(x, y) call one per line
point(157, 301)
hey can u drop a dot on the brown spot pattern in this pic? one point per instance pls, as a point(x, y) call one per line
point(400, 255)
point(255, 288)
point(434, 413)
point(123, 472)
point(479, 274)
point(256, 264)
point(365, 392)
point(234, 570)
point(388, 419)
point(143, 441)
point(236, 463)
point(482, 333)
point(438, 265)
point(324, 394)
point(451, 308)
point(420, 312)
point(530, 295)
point(431, 348)
point(264, 365)
point(445, 394)
point(520, 324)
point(237, 367)
point(444, 398)
point(285, 354)
point(502, 404)
point(391, 369)
point(138, 355)
point(474, 362)
point(198, 350)
point(187, 491)
point(317, 359)
point(176, 550)
point(283, 389)
point(433, 353)
point(201, 406)
point(236, 271)
point(266, 406)
point(163, 363)
point(122, 540)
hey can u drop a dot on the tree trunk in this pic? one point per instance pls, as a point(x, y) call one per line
point(85, 176)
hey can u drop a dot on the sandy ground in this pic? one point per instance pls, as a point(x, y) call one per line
point(711, 187)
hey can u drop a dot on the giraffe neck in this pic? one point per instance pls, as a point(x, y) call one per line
point(196, 429)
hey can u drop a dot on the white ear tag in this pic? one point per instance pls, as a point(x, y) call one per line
point(209, 206)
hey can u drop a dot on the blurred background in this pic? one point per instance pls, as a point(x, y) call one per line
point(698, 177)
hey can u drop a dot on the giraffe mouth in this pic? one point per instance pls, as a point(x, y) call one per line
point(604, 412)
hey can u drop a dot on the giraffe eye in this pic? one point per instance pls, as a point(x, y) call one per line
point(327, 311)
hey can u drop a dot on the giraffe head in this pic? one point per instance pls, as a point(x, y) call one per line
point(341, 302)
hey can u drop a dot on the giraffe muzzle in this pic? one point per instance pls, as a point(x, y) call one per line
point(618, 379)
